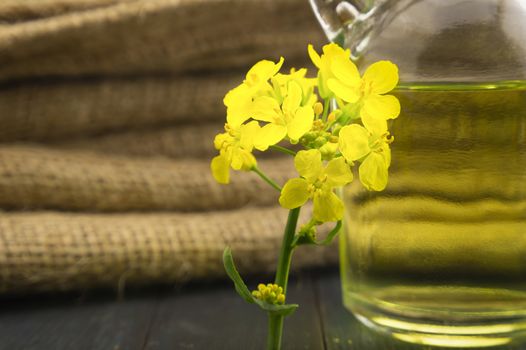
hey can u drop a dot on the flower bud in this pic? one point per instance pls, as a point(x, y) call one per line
point(320, 141)
point(270, 293)
point(318, 108)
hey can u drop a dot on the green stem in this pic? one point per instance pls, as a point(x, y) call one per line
point(275, 331)
point(283, 150)
point(275, 325)
point(326, 106)
point(266, 178)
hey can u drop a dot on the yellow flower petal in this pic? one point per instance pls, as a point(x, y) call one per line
point(248, 133)
point(386, 153)
point(346, 93)
point(323, 89)
point(354, 142)
point(338, 173)
point(308, 164)
point(315, 58)
point(294, 194)
point(237, 159)
point(277, 89)
point(269, 135)
point(249, 161)
point(373, 172)
point(238, 102)
point(293, 99)
point(376, 125)
point(382, 75)
point(345, 71)
point(262, 71)
point(327, 207)
point(332, 50)
point(283, 79)
point(324, 63)
point(242, 160)
point(265, 108)
point(220, 139)
point(301, 123)
point(382, 106)
point(220, 169)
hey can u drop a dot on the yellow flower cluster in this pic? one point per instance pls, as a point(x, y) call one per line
point(271, 293)
point(269, 107)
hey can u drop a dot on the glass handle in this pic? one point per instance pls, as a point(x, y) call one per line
point(337, 15)
point(350, 23)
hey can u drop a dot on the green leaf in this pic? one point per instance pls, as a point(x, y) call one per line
point(281, 310)
point(332, 234)
point(242, 290)
point(230, 267)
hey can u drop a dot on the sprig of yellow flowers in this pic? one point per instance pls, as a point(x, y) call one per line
point(269, 109)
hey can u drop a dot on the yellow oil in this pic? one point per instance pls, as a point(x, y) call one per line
point(439, 257)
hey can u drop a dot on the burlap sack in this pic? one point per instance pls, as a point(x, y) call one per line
point(41, 111)
point(37, 177)
point(49, 251)
point(179, 141)
point(147, 36)
point(12, 11)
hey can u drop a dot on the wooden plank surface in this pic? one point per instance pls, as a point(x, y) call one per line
point(199, 316)
point(69, 323)
point(199, 319)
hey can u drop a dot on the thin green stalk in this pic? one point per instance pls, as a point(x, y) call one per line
point(326, 106)
point(275, 332)
point(266, 178)
point(283, 150)
point(282, 276)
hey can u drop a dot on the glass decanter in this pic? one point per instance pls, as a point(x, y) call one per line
point(439, 257)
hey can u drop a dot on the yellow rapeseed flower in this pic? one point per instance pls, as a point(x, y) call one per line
point(324, 63)
point(238, 101)
point(281, 81)
point(358, 143)
point(290, 119)
point(368, 91)
point(317, 182)
point(235, 150)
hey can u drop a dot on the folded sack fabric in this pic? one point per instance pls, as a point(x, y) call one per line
point(57, 109)
point(48, 251)
point(42, 178)
point(151, 36)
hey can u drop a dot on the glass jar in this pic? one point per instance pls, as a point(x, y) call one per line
point(439, 256)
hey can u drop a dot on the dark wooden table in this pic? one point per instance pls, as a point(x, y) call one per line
point(198, 316)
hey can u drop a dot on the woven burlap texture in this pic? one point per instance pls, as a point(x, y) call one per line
point(108, 110)
point(42, 111)
point(181, 141)
point(49, 251)
point(36, 177)
point(145, 36)
point(12, 11)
